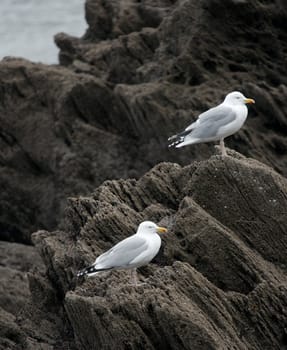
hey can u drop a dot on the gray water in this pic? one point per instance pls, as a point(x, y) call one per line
point(27, 27)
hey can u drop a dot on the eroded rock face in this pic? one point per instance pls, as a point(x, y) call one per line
point(15, 260)
point(198, 51)
point(142, 71)
point(50, 142)
point(219, 280)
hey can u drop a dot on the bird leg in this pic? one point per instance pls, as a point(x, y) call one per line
point(134, 278)
point(222, 148)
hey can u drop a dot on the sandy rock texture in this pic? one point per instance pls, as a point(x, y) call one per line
point(219, 281)
point(142, 71)
point(15, 262)
point(77, 142)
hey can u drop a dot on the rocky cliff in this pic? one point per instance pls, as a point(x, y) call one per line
point(219, 281)
point(143, 70)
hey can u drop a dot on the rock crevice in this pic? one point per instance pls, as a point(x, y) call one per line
point(220, 276)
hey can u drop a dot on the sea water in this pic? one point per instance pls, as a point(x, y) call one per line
point(27, 27)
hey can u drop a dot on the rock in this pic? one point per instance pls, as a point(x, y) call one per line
point(112, 18)
point(142, 71)
point(10, 333)
point(191, 70)
point(20, 257)
point(180, 309)
point(16, 261)
point(220, 276)
point(43, 319)
point(45, 157)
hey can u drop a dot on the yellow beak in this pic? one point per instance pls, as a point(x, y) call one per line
point(249, 100)
point(161, 229)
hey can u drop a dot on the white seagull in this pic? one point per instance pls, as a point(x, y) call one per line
point(134, 251)
point(216, 123)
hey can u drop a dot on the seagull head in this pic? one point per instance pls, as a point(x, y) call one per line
point(237, 98)
point(149, 227)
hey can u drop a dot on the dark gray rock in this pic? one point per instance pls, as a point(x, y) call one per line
point(143, 71)
point(16, 260)
point(219, 279)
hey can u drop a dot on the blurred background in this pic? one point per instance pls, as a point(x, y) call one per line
point(27, 27)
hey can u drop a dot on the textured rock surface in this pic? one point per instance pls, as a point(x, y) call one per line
point(15, 262)
point(142, 71)
point(10, 334)
point(219, 281)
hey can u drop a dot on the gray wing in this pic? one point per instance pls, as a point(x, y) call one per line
point(209, 123)
point(122, 253)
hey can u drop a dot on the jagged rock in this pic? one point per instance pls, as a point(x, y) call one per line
point(10, 333)
point(203, 67)
point(43, 319)
point(142, 71)
point(49, 134)
point(219, 279)
point(179, 309)
point(112, 18)
point(16, 261)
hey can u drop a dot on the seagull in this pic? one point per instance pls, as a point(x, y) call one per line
point(216, 123)
point(130, 253)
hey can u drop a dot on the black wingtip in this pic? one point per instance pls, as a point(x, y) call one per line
point(81, 273)
point(178, 138)
point(88, 270)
